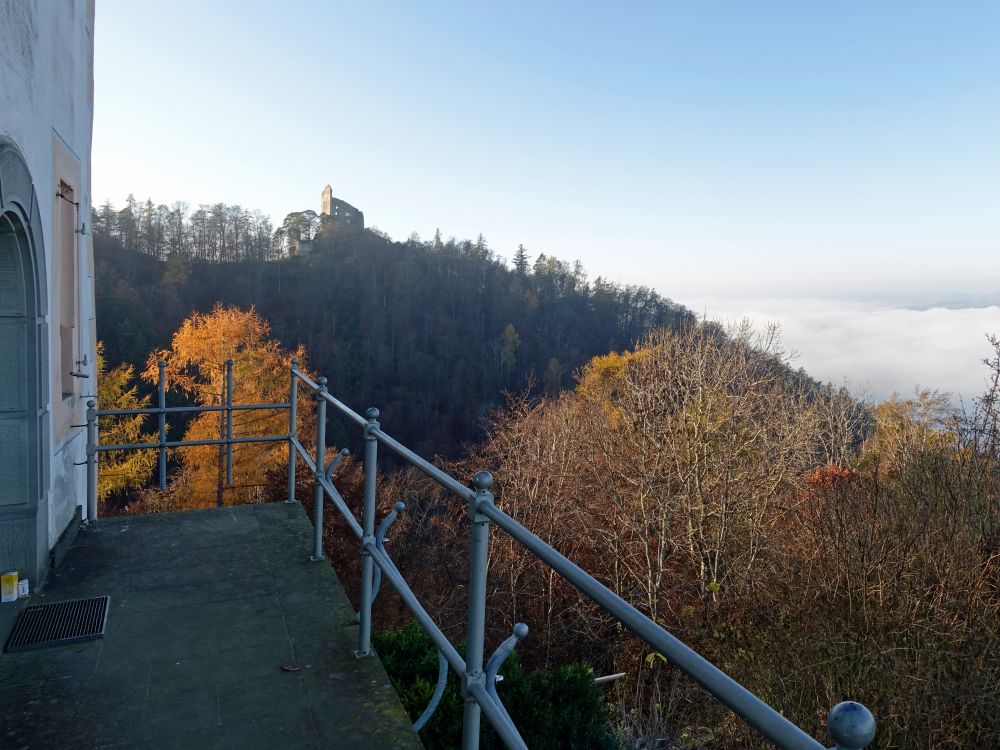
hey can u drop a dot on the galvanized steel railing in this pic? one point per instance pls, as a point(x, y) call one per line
point(850, 724)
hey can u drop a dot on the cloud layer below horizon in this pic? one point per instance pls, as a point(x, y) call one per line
point(876, 349)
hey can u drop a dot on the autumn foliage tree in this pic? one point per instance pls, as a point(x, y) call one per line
point(121, 470)
point(195, 367)
point(815, 548)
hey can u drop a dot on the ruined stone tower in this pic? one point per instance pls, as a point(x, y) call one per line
point(341, 212)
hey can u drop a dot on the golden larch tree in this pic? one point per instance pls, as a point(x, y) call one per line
point(121, 470)
point(196, 367)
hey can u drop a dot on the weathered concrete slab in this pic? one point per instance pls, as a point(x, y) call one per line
point(206, 609)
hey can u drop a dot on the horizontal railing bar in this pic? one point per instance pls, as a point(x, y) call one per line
point(185, 409)
point(305, 378)
point(186, 443)
point(303, 452)
point(390, 571)
point(339, 405)
point(341, 505)
point(444, 479)
point(346, 410)
point(503, 725)
point(758, 714)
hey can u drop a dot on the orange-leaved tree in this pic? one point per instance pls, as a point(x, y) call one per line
point(121, 470)
point(196, 367)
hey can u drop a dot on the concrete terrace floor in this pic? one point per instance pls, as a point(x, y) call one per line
point(206, 609)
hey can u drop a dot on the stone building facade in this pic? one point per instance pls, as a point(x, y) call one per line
point(47, 325)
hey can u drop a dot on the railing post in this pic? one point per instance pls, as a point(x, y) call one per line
point(229, 422)
point(368, 529)
point(161, 390)
point(476, 635)
point(293, 399)
point(320, 466)
point(91, 461)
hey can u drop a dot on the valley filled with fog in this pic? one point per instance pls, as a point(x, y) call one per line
point(877, 348)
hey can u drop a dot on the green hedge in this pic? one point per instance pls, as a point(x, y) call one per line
point(554, 709)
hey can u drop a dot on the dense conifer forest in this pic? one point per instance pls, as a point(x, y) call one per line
point(431, 332)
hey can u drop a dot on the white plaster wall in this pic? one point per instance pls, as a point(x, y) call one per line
point(46, 106)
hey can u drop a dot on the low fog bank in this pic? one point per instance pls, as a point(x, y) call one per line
point(877, 349)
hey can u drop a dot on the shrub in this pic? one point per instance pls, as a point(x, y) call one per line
point(554, 709)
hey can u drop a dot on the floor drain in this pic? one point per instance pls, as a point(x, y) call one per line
point(61, 622)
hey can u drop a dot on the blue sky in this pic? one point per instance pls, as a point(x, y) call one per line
point(770, 148)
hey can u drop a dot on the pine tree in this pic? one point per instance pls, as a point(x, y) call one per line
point(521, 261)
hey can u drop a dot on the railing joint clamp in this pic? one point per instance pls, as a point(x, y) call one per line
point(482, 498)
point(477, 677)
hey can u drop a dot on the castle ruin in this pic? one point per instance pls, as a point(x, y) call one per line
point(346, 215)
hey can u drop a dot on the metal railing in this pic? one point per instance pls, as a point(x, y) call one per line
point(850, 724)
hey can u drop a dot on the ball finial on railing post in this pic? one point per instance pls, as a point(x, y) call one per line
point(372, 413)
point(483, 480)
point(851, 726)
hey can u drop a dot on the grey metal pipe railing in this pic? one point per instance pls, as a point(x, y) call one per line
point(161, 392)
point(226, 441)
point(726, 690)
point(91, 461)
point(475, 626)
point(437, 636)
point(854, 731)
point(336, 403)
point(191, 409)
point(301, 451)
point(187, 443)
point(368, 531)
point(302, 376)
point(850, 724)
point(443, 478)
point(346, 411)
point(341, 505)
point(293, 408)
point(229, 422)
point(319, 469)
point(498, 718)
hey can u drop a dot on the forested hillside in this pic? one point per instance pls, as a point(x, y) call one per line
point(807, 543)
point(739, 509)
point(433, 333)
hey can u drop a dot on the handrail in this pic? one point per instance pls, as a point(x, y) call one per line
point(850, 724)
point(726, 690)
point(183, 409)
point(441, 477)
point(227, 440)
point(186, 443)
point(297, 373)
point(345, 410)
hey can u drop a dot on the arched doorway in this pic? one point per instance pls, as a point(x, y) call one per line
point(23, 373)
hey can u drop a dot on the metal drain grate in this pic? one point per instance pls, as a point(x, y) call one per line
point(62, 622)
